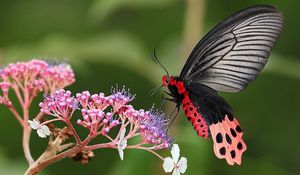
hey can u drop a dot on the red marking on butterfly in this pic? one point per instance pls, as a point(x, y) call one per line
point(191, 111)
point(227, 59)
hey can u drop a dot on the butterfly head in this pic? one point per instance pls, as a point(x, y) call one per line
point(165, 80)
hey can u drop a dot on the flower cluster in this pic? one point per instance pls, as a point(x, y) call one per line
point(23, 70)
point(94, 119)
point(120, 97)
point(101, 113)
point(61, 103)
point(94, 113)
point(153, 126)
point(58, 75)
point(37, 75)
point(107, 116)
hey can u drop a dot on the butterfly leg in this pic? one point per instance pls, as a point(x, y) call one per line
point(173, 118)
point(162, 101)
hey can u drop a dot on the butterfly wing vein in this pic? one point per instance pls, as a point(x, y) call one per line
point(233, 56)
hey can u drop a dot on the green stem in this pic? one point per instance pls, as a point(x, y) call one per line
point(193, 25)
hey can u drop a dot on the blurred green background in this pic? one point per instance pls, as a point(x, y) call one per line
point(111, 41)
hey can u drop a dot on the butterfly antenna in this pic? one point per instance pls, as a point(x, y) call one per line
point(154, 90)
point(155, 59)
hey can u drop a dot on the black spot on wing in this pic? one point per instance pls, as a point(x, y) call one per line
point(233, 133)
point(228, 139)
point(232, 153)
point(239, 146)
point(238, 129)
point(230, 117)
point(223, 151)
point(219, 138)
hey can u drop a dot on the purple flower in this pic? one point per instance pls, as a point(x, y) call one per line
point(154, 127)
point(120, 97)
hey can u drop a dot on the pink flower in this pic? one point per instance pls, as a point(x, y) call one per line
point(38, 75)
point(36, 86)
point(58, 76)
point(95, 101)
point(21, 70)
point(59, 104)
point(83, 98)
point(97, 120)
point(4, 86)
point(4, 99)
point(93, 112)
point(99, 101)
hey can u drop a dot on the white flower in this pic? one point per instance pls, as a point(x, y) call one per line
point(122, 143)
point(173, 163)
point(42, 130)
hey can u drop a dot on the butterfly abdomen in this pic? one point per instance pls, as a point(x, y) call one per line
point(190, 110)
point(195, 117)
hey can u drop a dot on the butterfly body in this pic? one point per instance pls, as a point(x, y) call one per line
point(228, 59)
point(181, 97)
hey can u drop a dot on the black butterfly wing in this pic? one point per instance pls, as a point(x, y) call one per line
point(234, 52)
point(223, 126)
point(212, 106)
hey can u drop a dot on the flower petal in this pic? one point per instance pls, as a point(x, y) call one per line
point(182, 165)
point(176, 171)
point(121, 153)
point(33, 124)
point(45, 130)
point(41, 133)
point(123, 144)
point(36, 121)
point(168, 164)
point(175, 153)
point(122, 134)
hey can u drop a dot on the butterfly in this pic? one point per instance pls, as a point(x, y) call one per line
point(228, 58)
